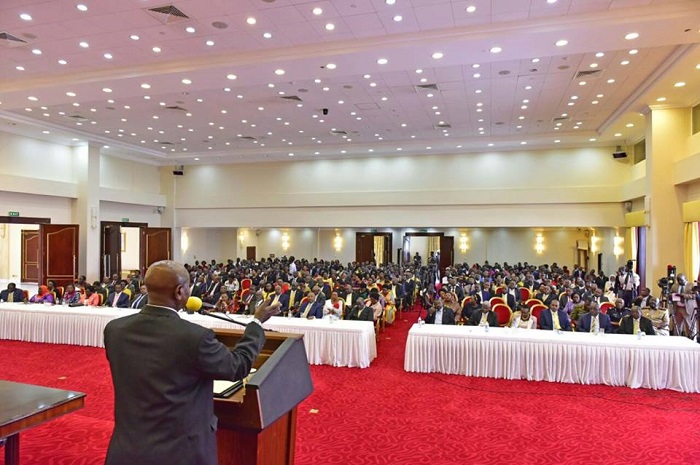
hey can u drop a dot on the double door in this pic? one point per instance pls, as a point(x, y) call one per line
point(155, 244)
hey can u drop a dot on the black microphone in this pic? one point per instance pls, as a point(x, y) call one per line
point(221, 317)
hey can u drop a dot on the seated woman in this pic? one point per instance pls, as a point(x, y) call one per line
point(90, 299)
point(333, 308)
point(71, 296)
point(389, 306)
point(450, 301)
point(523, 319)
point(54, 290)
point(224, 304)
point(44, 296)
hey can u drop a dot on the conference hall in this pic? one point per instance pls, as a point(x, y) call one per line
point(420, 138)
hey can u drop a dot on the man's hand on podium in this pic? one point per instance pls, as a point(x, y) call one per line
point(266, 310)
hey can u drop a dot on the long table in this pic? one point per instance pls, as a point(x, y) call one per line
point(654, 362)
point(340, 343)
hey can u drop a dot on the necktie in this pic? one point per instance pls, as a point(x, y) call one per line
point(594, 324)
point(635, 326)
point(291, 298)
point(306, 310)
point(555, 321)
point(484, 318)
point(136, 302)
point(11, 297)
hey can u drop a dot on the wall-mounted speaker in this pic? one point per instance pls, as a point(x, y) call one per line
point(179, 170)
point(617, 155)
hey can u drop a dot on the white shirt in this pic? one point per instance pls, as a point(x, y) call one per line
point(629, 281)
point(438, 316)
point(531, 323)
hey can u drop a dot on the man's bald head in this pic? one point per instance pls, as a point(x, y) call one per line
point(168, 284)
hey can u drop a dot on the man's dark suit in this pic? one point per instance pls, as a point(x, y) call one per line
point(627, 325)
point(163, 369)
point(364, 315)
point(545, 320)
point(17, 295)
point(545, 298)
point(448, 317)
point(122, 300)
point(510, 300)
point(286, 300)
point(198, 289)
point(584, 323)
point(140, 301)
point(316, 310)
point(491, 319)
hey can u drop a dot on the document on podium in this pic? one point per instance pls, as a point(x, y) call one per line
point(224, 388)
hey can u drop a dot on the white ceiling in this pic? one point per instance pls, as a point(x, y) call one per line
point(526, 95)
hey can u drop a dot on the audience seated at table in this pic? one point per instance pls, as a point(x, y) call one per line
point(12, 294)
point(43, 296)
point(118, 298)
point(140, 300)
point(659, 317)
point(593, 321)
point(224, 304)
point(635, 322)
point(484, 317)
point(523, 318)
point(310, 308)
point(333, 308)
point(359, 311)
point(440, 315)
point(553, 318)
point(71, 296)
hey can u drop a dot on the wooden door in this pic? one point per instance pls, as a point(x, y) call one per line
point(447, 252)
point(364, 247)
point(250, 253)
point(110, 249)
point(30, 256)
point(58, 253)
point(156, 245)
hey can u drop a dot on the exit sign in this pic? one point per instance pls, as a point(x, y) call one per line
point(125, 220)
point(12, 213)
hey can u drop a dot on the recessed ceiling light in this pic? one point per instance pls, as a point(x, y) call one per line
point(267, 35)
point(535, 60)
point(108, 56)
point(382, 61)
point(523, 143)
point(496, 50)
point(437, 55)
point(600, 55)
point(582, 83)
point(611, 81)
point(561, 43)
point(592, 139)
point(290, 154)
point(476, 65)
point(25, 16)
point(593, 65)
point(632, 36)
point(19, 68)
point(419, 71)
point(634, 51)
point(331, 66)
point(209, 43)
point(186, 81)
point(250, 20)
point(36, 51)
point(196, 159)
point(470, 9)
point(32, 98)
point(317, 11)
point(62, 62)
point(661, 99)
point(389, 2)
point(398, 18)
point(618, 134)
point(629, 125)
point(106, 89)
point(134, 37)
point(330, 26)
point(84, 44)
point(81, 7)
point(156, 49)
point(556, 141)
point(279, 72)
point(625, 62)
point(679, 84)
point(697, 66)
point(70, 94)
point(528, 87)
point(190, 29)
point(477, 75)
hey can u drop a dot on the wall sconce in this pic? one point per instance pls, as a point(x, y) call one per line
point(539, 244)
point(618, 246)
point(242, 236)
point(595, 240)
point(338, 242)
point(285, 241)
point(463, 243)
point(184, 242)
point(93, 217)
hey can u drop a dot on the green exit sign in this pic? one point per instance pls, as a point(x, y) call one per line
point(12, 213)
point(125, 220)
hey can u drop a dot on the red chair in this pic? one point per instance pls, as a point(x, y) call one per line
point(26, 294)
point(496, 300)
point(503, 313)
point(524, 294)
point(285, 287)
point(532, 302)
point(244, 293)
point(536, 310)
point(246, 283)
point(605, 306)
point(499, 290)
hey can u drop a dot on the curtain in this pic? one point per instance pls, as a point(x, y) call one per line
point(632, 238)
point(379, 249)
point(433, 243)
point(691, 249)
point(641, 255)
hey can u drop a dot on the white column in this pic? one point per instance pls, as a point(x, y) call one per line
point(86, 209)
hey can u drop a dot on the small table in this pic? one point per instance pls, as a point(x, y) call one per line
point(23, 406)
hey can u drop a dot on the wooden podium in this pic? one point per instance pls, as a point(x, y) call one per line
point(257, 425)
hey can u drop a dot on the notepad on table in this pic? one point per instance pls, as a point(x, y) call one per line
point(225, 388)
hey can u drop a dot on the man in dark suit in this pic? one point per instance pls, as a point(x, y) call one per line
point(359, 311)
point(546, 296)
point(594, 321)
point(12, 294)
point(141, 299)
point(484, 316)
point(554, 318)
point(598, 296)
point(311, 308)
point(199, 287)
point(163, 369)
point(634, 322)
point(440, 315)
point(480, 295)
point(290, 300)
point(118, 299)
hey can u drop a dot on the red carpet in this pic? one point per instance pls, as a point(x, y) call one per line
point(383, 415)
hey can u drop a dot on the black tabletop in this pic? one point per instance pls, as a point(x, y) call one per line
point(18, 401)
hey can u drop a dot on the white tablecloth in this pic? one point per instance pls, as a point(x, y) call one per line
point(342, 343)
point(654, 362)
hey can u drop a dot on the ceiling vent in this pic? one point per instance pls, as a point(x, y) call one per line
point(426, 88)
point(10, 41)
point(291, 98)
point(251, 138)
point(78, 118)
point(589, 74)
point(167, 14)
point(442, 126)
point(165, 142)
point(176, 107)
point(339, 133)
point(561, 119)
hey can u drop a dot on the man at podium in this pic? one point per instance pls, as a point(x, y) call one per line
point(163, 369)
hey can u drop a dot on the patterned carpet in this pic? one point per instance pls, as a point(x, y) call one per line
point(383, 415)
